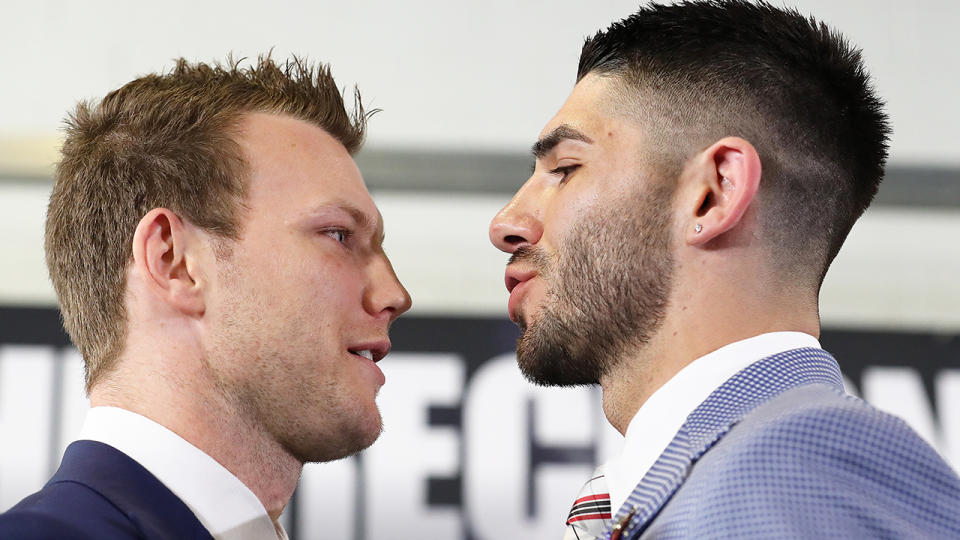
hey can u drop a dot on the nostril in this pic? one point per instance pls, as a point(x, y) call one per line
point(514, 239)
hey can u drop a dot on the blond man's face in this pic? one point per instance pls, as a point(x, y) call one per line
point(304, 301)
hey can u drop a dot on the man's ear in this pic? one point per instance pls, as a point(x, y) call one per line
point(724, 179)
point(164, 254)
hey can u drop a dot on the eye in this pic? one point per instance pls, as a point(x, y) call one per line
point(565, 172)
point(340, 235)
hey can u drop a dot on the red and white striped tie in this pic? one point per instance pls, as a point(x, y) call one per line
point(590, 515)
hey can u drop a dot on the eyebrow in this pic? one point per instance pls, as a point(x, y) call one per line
point(362, 220)
point(550, 141)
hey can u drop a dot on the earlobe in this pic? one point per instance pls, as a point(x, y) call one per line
point(725, 178)
point(162, 257)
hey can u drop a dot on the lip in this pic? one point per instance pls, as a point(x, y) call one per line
point(516, 275)
point(517, 281)
point(379, 349)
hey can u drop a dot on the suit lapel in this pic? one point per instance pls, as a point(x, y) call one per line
point(146, 502)
point(711, 420)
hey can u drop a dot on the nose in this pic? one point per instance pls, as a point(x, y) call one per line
point(518, 223)
point(386, 297)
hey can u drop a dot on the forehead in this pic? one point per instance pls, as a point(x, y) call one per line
point(599, 108)
point(590, 108)
point(293, 166)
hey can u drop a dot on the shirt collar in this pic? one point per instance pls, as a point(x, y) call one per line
point(224, 505)
point(661, 416)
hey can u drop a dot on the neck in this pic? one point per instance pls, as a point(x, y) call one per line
point(184, 404)
point(692, 328)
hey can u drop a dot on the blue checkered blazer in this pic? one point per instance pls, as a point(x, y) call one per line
point(780, 451)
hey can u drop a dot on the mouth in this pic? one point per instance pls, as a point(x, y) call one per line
point(517, 280)
point(374, 351)
point(364, 353)
point(515, 276)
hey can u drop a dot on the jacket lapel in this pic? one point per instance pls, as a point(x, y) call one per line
point(145, 501)
point(711, 420)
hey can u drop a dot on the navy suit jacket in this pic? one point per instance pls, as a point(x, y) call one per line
point(780, 451)
point(101, 493)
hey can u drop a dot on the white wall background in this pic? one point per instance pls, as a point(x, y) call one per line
point(468, 75)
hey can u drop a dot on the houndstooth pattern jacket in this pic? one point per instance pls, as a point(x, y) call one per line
point(780, 451)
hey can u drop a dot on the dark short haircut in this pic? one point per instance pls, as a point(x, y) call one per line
point(787, 83)
point(164, 140)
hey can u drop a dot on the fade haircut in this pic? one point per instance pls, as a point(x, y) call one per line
point(698, 71)
point(164, 140)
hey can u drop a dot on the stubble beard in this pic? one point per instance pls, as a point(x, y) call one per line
point(609, 284)
point(254, 362)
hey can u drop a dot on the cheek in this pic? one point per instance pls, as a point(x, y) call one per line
point(332, 289)
point(563, 215)
point(294, 275)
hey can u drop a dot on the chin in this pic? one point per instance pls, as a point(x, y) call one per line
point(546, 360)
point(355, 432)
point(367, 433)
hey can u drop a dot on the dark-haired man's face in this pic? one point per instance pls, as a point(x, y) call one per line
point(589, 235)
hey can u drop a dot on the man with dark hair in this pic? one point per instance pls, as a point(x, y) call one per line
point(686, 202)
point(219, 264)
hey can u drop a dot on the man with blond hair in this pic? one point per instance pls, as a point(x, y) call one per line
point(219, 264)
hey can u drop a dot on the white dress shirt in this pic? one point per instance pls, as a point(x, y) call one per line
point(223, 504)
point(661, 416)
